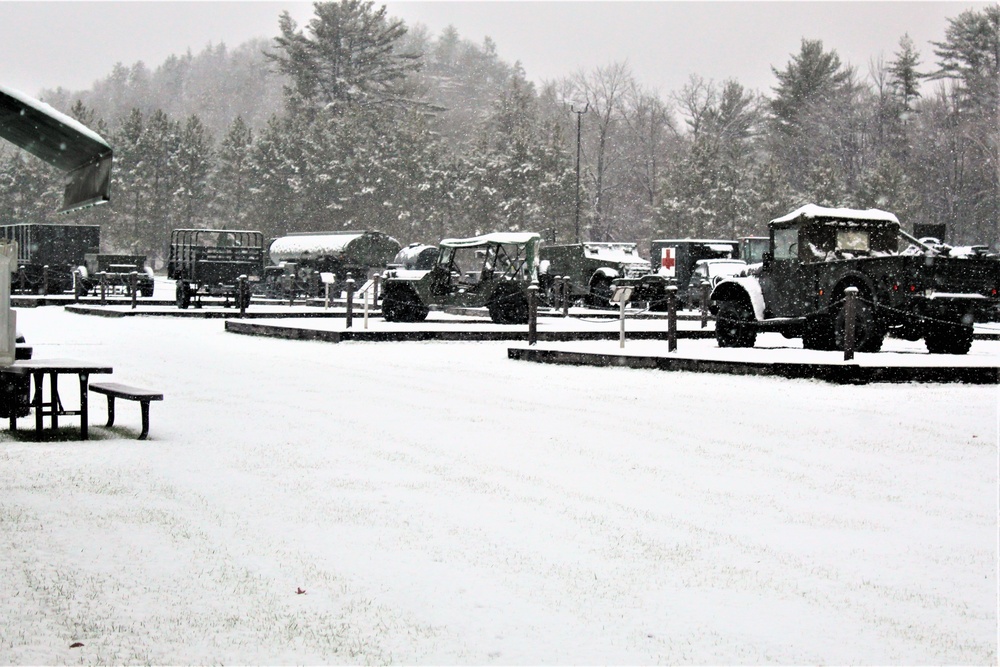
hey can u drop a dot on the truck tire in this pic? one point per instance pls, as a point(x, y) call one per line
point(818, 333)
point(734, 325)
point(183, 294)
point(868, 335)
point(600, 292)
point(508, 305)
point(402, 305)
point(949, 339)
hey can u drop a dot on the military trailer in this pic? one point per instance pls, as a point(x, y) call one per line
point(117, 271)
point(297, 260)
point(492, 271)
point(48, 254)
point(817, 253)
point(673, 262)
point(590, 269)
point(209, 262)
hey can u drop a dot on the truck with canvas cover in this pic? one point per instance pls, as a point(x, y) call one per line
point(590, 269)
point(209, 262)
point(673, 262)
point(906, 288)
point(297, 260)
point(492, 271)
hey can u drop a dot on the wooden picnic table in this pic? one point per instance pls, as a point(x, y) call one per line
point(37, 369)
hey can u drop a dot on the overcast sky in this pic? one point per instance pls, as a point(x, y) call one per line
point(71, 44)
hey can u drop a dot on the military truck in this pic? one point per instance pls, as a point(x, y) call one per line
point(590, 267)
point(816, 253)
point(492, 271)
point(48, 254)
point(297, 260)
point(674, 260)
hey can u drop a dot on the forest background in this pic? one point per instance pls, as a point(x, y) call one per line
point(356, 121)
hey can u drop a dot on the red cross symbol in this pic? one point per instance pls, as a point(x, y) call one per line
point(667, 260)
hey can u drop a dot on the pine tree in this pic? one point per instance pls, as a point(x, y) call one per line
point(232, 176)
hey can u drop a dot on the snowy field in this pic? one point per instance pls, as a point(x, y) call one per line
point(440, 504)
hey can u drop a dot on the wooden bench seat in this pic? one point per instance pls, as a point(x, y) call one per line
point(115, 390)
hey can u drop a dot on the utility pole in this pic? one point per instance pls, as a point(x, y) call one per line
point(579, 116)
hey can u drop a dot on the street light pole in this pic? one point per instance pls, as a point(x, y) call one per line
point(579, 116)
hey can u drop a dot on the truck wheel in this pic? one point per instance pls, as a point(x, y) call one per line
point(818, 334)
point(949, 339)
point(402, 305)
point(508, 305)
point(734, 325)
point(868, 336)
point(183, 294)
point(600, 292)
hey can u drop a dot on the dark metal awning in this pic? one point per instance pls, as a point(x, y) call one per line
point(66, 144)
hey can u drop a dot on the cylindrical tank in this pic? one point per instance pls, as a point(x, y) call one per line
point(416, 256)
point(332, 250)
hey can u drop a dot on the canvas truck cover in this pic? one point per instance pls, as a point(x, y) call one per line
point(55, 138)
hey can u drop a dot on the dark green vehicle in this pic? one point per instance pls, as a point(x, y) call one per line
point(816, 253)
point(492, 271)
point(590, 268)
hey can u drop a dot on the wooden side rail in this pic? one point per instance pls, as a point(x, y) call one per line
point(115, 390)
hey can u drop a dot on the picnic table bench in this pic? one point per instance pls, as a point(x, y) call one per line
point(126, 392)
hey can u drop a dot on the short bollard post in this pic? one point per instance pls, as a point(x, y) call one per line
point(22, 279)
point(45, 279)
point(672, 318)
point(241, 294)
point(704, 303)
point(77, 280)
point(365, 294)
point(291, 290)
point(850, 295)
point(375, 282)
point(621, 323)
point(326, 298)
point(565, 296)
point(350, 302)
point(104, 288)
point(133, 280)
point(533, 313)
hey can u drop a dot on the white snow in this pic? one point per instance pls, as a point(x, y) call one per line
point(286, 248)
point(50, 111)
point(814, 211)
point(495, 237)
point(441, 504)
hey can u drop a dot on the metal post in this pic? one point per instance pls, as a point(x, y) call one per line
point(850, 294)
point(565, 296)
point(366, 308)
point(45, 279)
point(704, 303)
point(533, 313)
point(22, 279)
point(579, 117)
point(241, 294)
point(350, 302)
point(621, 324)
point(672, 318)
point(77, 283)
point(104, 288)
point(375, 283)
point(326, 300)
point(133, 280)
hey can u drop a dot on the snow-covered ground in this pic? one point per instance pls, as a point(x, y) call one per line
point(439, 503)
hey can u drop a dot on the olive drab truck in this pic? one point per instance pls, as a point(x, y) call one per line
point(906, 288)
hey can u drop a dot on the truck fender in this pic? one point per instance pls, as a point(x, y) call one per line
point(741, 288)
point(605, 271)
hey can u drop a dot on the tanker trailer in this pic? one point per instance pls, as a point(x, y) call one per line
point(297, 260)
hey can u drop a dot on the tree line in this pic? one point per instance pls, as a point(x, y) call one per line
point(356, 122)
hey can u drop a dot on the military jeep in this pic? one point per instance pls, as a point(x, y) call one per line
point(492, 271)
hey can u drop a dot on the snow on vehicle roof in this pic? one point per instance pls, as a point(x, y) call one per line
point(624, 253)
point(814, 211)
point(315, 244)
point(496, 237)
point(727, 242)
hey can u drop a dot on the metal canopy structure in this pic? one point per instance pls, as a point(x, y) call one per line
point(55, 138)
